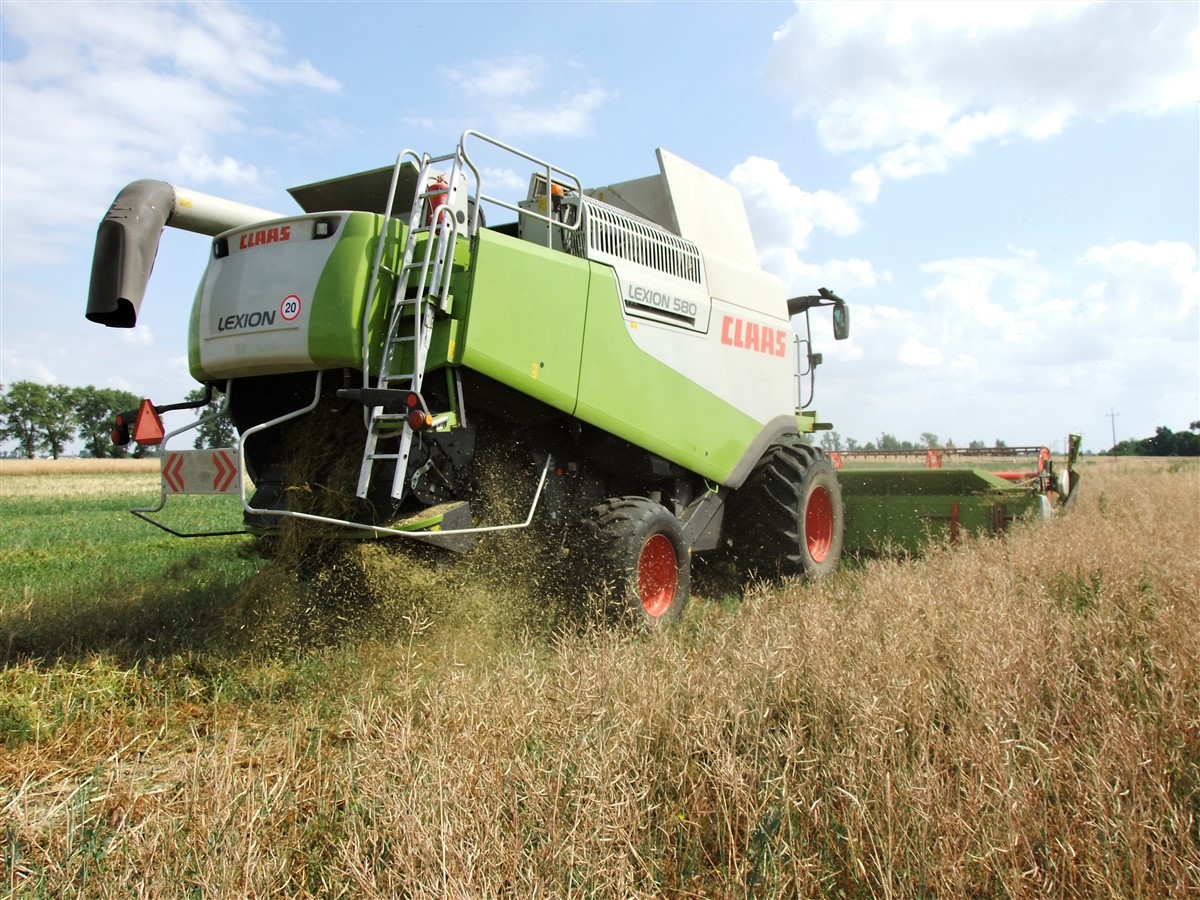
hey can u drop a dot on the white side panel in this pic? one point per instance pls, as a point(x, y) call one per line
point(647, 294)
point(255, 302)
point(747, 360)
point(745, 285)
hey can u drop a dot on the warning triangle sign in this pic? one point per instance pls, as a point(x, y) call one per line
point(149, 426)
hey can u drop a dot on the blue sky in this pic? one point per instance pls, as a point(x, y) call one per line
point(1007, 194)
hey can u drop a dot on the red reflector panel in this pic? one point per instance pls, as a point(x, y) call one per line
point(149, 427)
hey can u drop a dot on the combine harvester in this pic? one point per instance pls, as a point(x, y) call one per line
point(615, 354)
point(902, 505)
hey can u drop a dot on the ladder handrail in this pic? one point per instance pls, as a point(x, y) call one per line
point(549, 168)
point(431, 271)
point(373, 284)
point(440, 228)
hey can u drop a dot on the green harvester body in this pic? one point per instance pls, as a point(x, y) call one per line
point(622, 341)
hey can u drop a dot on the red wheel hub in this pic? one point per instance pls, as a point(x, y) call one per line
point(818, 524)
point(657, 576)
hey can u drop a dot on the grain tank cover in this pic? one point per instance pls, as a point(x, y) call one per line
point(365, 191)
point(708, 210)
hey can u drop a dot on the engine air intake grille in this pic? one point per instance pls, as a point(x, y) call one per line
point(616, 234)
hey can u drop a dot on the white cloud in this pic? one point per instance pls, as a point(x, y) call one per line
point(179, 366)
point(914, 353)
point(240, 51)
point(783, 217)
point(843, 276)
point(500, 79)
point(17, 367)
point(926, 83)
point(200, 168)
point(97, 94)
point(865, 184)
point(214, 43)
point(1147, 292)
point(569, 116)
point(140, 336)
point(503, 182)
point(988, 296)
point(996, 344)
point(781, 213)
point(510, 98)
point(422, 123)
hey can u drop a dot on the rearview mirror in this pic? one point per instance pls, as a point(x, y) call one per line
point(841, 321)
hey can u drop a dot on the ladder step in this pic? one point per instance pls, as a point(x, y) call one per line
point(388, 399)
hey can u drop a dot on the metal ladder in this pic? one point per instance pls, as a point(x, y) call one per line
point(419, 289)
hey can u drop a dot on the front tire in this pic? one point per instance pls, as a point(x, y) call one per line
point(788, 517)
point(638, 549)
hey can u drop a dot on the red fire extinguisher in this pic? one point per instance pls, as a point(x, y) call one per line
point(439, 193)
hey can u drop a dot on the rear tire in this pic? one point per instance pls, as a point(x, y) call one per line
point(788, 517)
point(637, 548)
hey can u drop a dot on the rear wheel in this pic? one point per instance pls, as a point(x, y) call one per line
point(788, 518)
point(637, 548)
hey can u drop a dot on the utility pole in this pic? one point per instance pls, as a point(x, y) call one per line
point(1113, 415)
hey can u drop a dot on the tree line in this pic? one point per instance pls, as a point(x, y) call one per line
point(831, 440)
point(47, 418)
point(1164, 443)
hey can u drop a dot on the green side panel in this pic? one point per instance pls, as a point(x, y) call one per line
point(624, 390)
point(335, 324)
point(194, 365)
point(906, 508)
point(443, 345)
point(524, 317)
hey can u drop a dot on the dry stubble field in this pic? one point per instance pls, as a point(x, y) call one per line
point(1016, 717)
